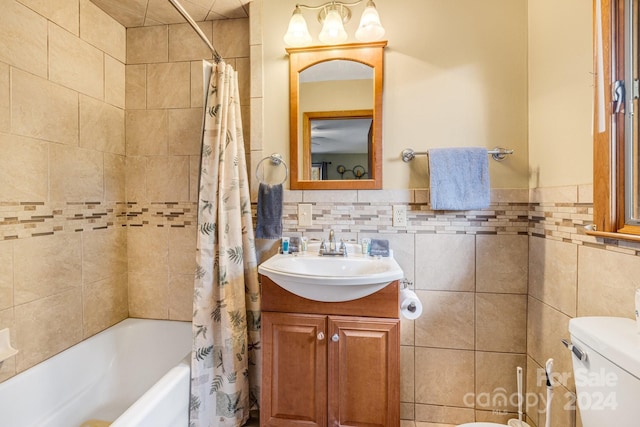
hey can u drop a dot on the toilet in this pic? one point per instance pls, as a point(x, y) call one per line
point(606, 365)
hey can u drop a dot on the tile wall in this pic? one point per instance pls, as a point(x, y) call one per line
point(63, 265)
point(164, 101)
point(99, 135)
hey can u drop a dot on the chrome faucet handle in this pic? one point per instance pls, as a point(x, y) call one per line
point(323, 247)
point(343, 247)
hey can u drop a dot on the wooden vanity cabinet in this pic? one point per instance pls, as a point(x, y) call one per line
point(323, 366)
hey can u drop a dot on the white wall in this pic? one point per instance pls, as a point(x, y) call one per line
point(455, 75)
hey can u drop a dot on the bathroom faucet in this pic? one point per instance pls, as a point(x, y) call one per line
point(332, 249)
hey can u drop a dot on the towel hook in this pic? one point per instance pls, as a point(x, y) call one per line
point(276, 160)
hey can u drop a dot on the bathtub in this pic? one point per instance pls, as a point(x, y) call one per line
point(135, 373)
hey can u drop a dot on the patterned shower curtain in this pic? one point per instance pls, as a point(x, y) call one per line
point(225, 377)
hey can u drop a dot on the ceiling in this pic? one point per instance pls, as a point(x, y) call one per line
point(140, 13)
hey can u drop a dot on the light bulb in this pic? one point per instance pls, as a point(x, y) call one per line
point(332, 30)
point(370, 28)
point(297, 34)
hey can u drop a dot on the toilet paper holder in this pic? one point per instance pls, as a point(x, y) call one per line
point(405, 284)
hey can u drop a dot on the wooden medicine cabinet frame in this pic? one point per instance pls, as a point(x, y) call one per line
point(300, 59)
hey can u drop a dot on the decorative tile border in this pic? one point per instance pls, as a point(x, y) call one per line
point(32, 219)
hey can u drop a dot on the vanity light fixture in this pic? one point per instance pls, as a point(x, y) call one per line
point(333, 15)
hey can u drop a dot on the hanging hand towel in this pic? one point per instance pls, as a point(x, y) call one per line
point(459, 178)
point(269, 221)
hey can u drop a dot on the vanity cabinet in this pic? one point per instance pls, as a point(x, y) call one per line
point(330, 364)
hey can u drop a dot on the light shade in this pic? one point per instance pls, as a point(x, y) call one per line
point(332, 30)
point(297, 34)
point(370, 28)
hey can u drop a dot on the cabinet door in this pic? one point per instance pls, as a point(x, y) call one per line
point(364, 372)
point(294, 370)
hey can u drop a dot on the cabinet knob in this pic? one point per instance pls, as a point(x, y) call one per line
point(335, 338)
point(320, 336)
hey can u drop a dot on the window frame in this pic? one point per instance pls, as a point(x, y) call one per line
point(609, 145)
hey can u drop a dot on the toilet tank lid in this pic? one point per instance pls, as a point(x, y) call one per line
point(615, 338)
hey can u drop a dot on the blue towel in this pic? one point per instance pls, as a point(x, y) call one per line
point(459, 178)
point(269, 212)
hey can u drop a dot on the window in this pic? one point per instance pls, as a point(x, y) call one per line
point(616, 125)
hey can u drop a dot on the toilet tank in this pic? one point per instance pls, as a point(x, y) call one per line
point(608, 381)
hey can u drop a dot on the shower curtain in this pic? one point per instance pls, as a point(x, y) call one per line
point(225, 377)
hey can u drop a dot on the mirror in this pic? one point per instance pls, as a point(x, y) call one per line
point(335, 120)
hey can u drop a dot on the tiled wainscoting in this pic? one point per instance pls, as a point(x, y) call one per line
point(498, 285)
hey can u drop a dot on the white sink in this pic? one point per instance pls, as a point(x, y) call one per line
point(331, 278)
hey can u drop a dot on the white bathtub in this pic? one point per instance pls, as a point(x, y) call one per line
point(135, 373)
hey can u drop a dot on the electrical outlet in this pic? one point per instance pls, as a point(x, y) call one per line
point(399, 215)
point(305, 214)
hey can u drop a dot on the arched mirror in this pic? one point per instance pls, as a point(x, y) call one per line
point(335, 120)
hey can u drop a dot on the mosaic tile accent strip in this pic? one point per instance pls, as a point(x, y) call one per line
point(500, 218)
point(32, 219)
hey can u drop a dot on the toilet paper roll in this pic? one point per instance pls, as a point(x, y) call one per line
point(410, 305)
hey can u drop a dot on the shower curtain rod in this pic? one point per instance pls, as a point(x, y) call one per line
point(216, 56)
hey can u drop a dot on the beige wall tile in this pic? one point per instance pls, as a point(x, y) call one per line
point(28, 32)
point(243, 67)
point(553, 273)
point(496, 385)
point(6, 276)
point(114, 82)
point(131, 12)
point(407, 412)
point(436, 254)
point(563, 412)
point(105, 303)
point(148, 250)
point(437, 416)
point(102, 31)
point(255, 22)
point(447, 320)
point(46, 265)
point(169, 85)
point(546, 327)
point(101, 126)
point(115, 171)
point(8, 367)
point(136, 182)
point(65, 13)
point(146, 132)
point(501, 264)
point(168, 178)
point(136, 86)
point(501, 418)
point(32, 101)
point(231, 37)
point(563, 194)
point(5, 99)
point(256, 123)
point(147, 44)
point(186, 45)
point(182, 250)
point(197, 84)
point(607, 282)
point(181, 297)
point(47, 326)
point(24, 169)
point(76, 174)
point(148, 295)
point(501, 322)
point(256, 57)
point(185, 131)
point(407, 331)
point(74, 63)
point(104, 254)
point(407, 373)
point(194, 178)
point(444, 377)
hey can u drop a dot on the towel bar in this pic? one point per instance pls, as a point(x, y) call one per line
point(498, 154)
